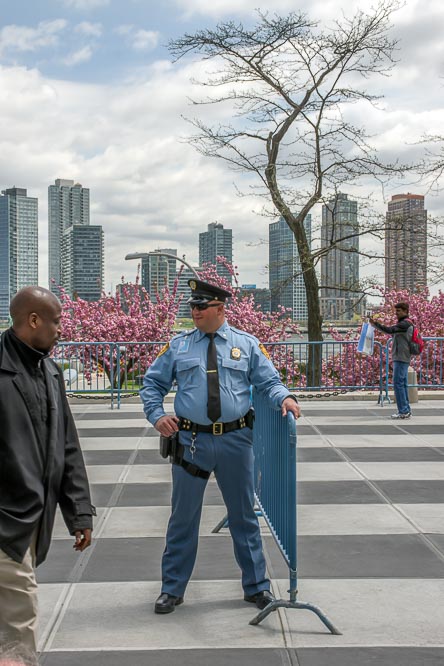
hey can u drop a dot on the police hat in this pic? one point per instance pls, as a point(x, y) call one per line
point(202, 292)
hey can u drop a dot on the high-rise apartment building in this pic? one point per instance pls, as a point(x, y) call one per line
point(216, 242)
point(340, 265)
point(18, 244)
point(406, 243)
point(82, 261)
point(158, 272)
point(68, 205)
point(286, 280)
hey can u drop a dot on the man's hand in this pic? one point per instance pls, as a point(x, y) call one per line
point(290, 405)
point(167, 425)
point(83, 539)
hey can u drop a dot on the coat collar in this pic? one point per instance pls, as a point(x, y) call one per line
point(14, 352)
point(11, 362)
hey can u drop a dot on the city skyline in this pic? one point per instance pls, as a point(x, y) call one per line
point(90, 93)
point(82, 266)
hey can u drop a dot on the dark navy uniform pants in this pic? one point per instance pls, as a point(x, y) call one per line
point(230, 456)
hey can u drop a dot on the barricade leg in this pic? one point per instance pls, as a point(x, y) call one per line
point(384, 398)
point(281, 603)
point(224, 522)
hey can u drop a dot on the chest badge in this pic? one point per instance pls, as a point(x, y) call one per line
point(235, 353)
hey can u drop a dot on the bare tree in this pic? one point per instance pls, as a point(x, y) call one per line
point(290, 84)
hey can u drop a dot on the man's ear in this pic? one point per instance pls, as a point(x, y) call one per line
point(33, 319)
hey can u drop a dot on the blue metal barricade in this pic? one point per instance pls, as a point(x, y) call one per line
point(274, 441)
point(428, 366)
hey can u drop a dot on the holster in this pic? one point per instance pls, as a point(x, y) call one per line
point(172, 448)
point(168, 445)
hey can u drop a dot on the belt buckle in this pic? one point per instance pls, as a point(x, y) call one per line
point(218, 428)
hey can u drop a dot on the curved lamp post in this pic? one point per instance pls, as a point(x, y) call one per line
point(145, 255)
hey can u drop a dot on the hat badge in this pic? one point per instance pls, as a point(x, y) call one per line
point(193, 285)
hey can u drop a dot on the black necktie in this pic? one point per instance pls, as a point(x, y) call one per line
point(213, 405)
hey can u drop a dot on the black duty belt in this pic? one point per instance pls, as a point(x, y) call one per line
point(218, 428)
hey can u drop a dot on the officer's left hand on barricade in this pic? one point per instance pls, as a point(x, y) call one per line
point(290, 405)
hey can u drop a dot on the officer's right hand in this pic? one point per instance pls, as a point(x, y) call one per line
point(167, 425)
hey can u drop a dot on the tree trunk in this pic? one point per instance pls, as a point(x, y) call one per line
point(314, 359)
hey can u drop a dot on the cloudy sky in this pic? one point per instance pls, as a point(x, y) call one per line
point(88, 92)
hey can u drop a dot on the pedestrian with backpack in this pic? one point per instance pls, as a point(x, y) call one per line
point(402, 351)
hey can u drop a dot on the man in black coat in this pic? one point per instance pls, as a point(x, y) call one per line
point(41, 464)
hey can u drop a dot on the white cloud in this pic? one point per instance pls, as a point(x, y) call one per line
point(228, 7)
point(148, 188)
point(140, 40)
point(124, 29)
point(22, 38)
point(89, 29)
point(77, 57)
point(145, 40)
point(85, 4)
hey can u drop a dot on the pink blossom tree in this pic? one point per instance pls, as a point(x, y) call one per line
point(427, 313)
point(242, 312)
point(129, 317)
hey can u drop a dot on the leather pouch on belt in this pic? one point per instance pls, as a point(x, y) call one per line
point(168, 445)
point(164, 446)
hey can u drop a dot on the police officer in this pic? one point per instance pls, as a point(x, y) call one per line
point(214, 366)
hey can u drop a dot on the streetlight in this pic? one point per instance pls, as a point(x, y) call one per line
point(145, 255)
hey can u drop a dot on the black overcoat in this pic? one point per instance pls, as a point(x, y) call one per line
point(33, 481)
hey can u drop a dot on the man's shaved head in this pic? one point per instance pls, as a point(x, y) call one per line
point(36, 314)
point(31, 299)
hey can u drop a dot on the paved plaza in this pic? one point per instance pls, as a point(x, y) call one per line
point(371, 551)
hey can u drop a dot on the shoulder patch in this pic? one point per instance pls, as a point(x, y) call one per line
point(263, 350)
point(163, 350)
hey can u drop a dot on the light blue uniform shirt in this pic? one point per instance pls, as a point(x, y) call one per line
point(241, 363)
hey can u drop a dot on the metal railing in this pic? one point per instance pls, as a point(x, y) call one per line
point(274, 444)
point(428, 366)
point(339, 365)
point(116, 369)
point(105, 369)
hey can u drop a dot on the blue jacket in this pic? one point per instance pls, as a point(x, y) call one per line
point(242, 362)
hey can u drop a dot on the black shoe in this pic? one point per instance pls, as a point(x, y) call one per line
point(166, 603)
point(261, 599)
